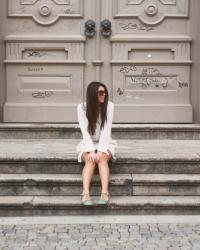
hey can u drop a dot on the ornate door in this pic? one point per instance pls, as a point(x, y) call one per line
point(149, 60)
point(140, 49)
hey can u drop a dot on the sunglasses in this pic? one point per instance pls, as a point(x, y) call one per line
point(101, 92)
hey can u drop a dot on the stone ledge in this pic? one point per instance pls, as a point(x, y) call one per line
point(131, 202)
point(59, 179)
point(127, 150)
point(119, 131)
point(177, 179)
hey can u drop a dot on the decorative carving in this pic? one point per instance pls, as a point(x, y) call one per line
point(135, 1)
point(151, 13)
point(151, 10)
point(157, 51)
point(90, 28)
point(45, 12)
point(106, 28)
point(44, 51)
point(13, 51)
point(166, 2)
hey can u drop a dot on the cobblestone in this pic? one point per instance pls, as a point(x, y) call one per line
point(146, 236)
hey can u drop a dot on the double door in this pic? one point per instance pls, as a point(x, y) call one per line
point(139, 48)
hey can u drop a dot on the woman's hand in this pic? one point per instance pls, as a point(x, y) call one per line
point(99, 155)
point(92, 156)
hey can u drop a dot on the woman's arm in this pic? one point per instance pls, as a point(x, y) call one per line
point(83, 123)
point(106, 131)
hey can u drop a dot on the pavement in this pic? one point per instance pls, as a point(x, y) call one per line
point(157, 232)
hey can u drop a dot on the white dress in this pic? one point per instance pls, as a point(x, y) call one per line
point(101, 140)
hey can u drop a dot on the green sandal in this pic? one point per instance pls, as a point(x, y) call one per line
point(103, 200)
point(86, 200)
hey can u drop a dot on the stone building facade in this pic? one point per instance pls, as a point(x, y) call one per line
point(147, 52)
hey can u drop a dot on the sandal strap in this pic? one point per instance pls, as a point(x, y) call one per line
point(85, 197)
point(85, 194)
point(106, 194)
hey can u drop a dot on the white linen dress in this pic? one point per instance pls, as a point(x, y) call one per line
point(101, 140)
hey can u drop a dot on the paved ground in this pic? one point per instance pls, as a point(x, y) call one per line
point(101, 232)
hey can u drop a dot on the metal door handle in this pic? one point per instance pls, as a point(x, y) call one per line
point(106, 28)
point(90, 28)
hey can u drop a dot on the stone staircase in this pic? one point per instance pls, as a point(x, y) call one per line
point(157, 170)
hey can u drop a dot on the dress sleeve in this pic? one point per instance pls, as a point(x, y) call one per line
point(106, 131)
point(83, 123)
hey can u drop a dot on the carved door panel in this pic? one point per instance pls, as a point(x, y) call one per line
point(149, 60)
point(46, 59)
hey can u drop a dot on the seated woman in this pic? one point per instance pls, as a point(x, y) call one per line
point(97, 147)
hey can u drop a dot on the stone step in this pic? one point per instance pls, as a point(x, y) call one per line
point(119, 131)
point(60, 184)
point(166, 184)
point(132, 156)
point(120, 184)
point(71, 205)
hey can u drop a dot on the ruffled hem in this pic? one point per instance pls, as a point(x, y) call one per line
point(80, 148)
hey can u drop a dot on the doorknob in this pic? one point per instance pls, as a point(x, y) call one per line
point(106, 28)
point(90, 28)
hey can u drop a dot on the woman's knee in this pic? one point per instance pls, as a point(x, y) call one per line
point(105, 158)
point(85, 158)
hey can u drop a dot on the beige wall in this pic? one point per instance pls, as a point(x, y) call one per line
point(2, 51)
point(195, 54)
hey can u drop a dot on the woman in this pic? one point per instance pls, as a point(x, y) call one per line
point(97, 147)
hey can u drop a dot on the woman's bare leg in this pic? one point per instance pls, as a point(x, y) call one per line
point(104, 171)
point(87, 172)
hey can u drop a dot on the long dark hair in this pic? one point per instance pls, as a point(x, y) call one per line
point(93, 107)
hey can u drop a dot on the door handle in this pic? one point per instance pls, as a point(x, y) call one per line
point(90, 28)
point(106, 28)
